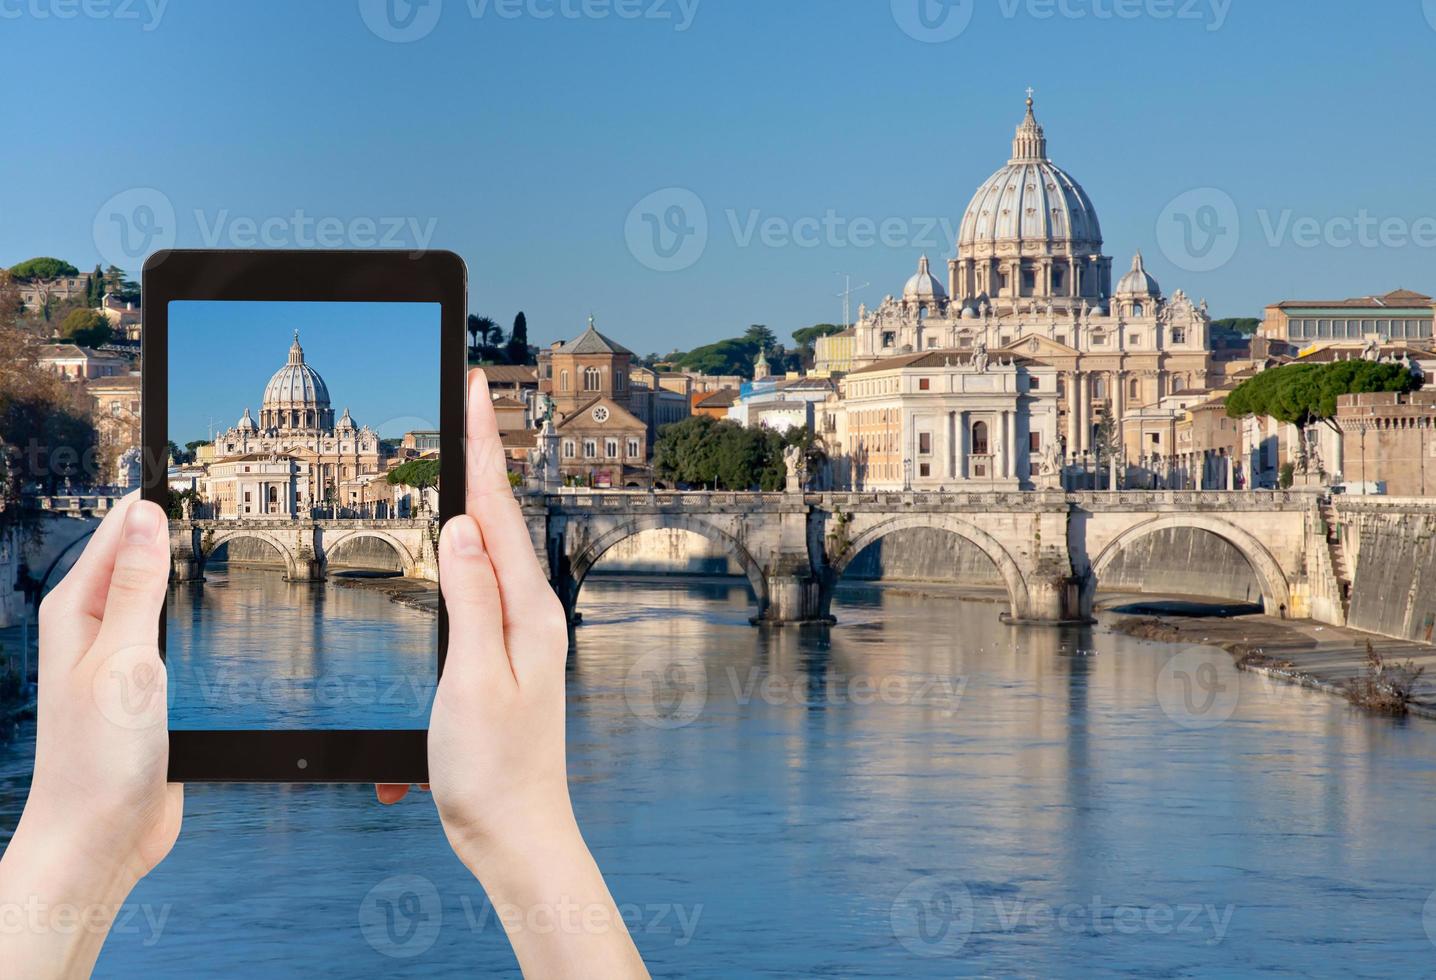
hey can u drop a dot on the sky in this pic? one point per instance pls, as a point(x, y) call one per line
point(379, 360)
point(684, 168)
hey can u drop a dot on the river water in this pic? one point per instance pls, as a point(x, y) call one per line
point(919, 791)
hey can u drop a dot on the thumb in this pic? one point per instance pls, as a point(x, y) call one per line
point(137, 581)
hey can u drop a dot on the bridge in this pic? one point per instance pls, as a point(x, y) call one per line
point(1050, 548)
point(305, 547)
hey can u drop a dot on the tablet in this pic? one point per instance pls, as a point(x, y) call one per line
point(303, 427)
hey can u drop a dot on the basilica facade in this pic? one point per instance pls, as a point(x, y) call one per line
point(1029, 282)
point(296, 456)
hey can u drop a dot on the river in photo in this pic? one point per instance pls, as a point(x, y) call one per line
point(918, 791)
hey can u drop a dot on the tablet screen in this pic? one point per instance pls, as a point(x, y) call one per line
point(303, 508)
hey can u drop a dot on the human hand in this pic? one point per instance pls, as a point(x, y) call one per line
point(100, 814)
point(496, 734)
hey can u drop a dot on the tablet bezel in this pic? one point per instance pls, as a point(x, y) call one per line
point(288, 755)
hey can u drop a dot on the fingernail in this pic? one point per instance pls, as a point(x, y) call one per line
point(142, 524)
point(467, 541)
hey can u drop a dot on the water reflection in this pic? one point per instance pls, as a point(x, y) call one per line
point(247, 649)
point(1040, 814)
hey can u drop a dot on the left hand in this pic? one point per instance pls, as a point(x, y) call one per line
point(100, 814)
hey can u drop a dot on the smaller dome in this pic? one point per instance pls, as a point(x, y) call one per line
point(969, 312)
point(924, 285)
point(1137, 282)
point(246, 422)
point(346, 421)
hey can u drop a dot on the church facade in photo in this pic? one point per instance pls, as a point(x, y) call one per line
point(1030, 283)
point(296, 455)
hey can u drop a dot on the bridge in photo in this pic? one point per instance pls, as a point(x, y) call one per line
point(305, 547)
point(1051, 549)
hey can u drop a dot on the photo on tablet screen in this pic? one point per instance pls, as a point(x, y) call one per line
point(304, 451)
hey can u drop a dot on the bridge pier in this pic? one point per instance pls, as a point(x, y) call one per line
point(186, 558)
point(794, 594)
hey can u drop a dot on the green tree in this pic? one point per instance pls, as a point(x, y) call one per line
point(486, 335)
point(86, 327)
point(720, 455)
point(1305, 394)
point(95, 289)
point(421, 474)
point(807, 337)
point(43, 267)
point(517, 350)
point(1244, 326)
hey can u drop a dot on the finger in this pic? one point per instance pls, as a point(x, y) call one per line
point(70, 614)
point(137, 580)
point(534, 624)
point(471, 596)
point(391, 792)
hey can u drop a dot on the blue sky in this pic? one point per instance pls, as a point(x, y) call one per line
point(380, 360)
point(523, 133)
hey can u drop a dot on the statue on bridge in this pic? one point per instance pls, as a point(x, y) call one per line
point(796, 462)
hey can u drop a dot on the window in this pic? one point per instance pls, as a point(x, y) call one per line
point(1136, 309)
point(1034, 442)
point(563, 380)
point(590, 449)
point(568, 450)
point(1002, 280)
point(1034, 383)
point(1156, 438)
point(924, 443)
point(924, 469)
point(979, 438)
point(591, 381)
point(1132, 339)
point(889, 338)
point(610, 448)
point(1057, 278)
point(964, 342)
point(1062, 339)
point(620, 380)
point(924, 384)
point(633, 452)
point(1029, 279)
point(1132, 388)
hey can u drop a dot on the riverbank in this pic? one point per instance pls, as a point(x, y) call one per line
point(1298, 651)
point(413, 592)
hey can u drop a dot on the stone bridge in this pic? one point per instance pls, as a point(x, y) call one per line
point(304, 546)
point(1051, 548)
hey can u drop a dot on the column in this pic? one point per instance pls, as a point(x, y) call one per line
point(1084, 408)
point(952, 438)
point(964, 445)
point(1072, 421)
point(1010, 427)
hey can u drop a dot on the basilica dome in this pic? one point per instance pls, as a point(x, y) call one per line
point(924, 287)
point(1031, 206)
point(296, 385)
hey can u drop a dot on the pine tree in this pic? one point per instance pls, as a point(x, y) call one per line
point(517, 351)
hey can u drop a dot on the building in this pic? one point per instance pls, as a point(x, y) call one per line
point(36, 294)
point(714, 404)
point(780, 403)
point(257, 485)
point(1208, 446)
point(1387, 443)
point(333, 460)
point(1029, 280)
point(833, 354)
point(602, 444)
point(417, 442)
point(945, 420)
point(116, 415)
point(1400, 316)
point(519, 382)
point(589, 366)
point(124, 316)
point(81, 363)
point(659, 398)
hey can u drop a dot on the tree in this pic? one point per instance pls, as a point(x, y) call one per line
point(421, 474)
point(95, 289)
point(87, 328)
point(46, 437)
point(1305, 394)
point(517, 351)
point(807, 337)
point(43, 267)
point(486, 335)
point(720, 455)
point(1245, 326)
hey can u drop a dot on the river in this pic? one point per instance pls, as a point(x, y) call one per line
point(919, 791)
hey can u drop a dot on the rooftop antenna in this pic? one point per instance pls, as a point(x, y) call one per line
point(847, 297)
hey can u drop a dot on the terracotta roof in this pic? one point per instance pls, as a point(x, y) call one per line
point(721, 398)
point(510, 373)
point(934, 359)
point(1395, 298)
point(503, 401)
point(593, 342)
point(518, 438)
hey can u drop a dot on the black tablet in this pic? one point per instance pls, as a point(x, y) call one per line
point(303, 426)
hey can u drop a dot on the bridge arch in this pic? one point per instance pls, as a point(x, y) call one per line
point(1018, 594)
point(210, 542)
point(582, 563)
point(331, 541)
point(1276, 593)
